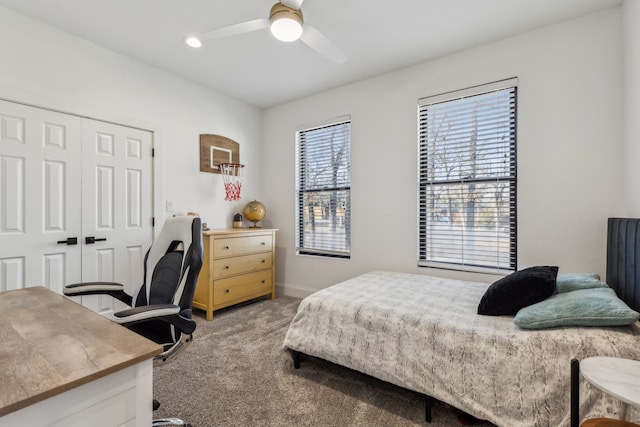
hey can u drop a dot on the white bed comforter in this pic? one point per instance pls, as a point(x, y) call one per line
point(422, 333)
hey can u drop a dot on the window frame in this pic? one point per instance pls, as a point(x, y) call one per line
point(425, 223)
point(342, 190)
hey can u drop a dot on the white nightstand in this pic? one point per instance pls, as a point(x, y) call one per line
point(617, 377)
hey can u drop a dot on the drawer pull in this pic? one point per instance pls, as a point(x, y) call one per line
point(264, 281)
point(227, 290)
point(226, 248)
point(263, 244)
point(226, 267)
point(264, 260)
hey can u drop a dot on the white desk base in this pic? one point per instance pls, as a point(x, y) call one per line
point(123, 398)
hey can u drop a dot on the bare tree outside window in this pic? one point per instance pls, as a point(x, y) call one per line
point(467, 181)
point(323, 175)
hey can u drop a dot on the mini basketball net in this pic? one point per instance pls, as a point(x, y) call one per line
point(232, 175)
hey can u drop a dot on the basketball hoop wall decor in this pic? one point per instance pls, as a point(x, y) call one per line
point(232, 175)
point(216, 149)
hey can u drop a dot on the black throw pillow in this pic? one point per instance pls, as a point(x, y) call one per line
point(517, 290)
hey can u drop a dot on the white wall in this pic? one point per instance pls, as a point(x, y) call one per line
point(570, 147)
point(49, 68)
point(569, 152)
point(631, 43)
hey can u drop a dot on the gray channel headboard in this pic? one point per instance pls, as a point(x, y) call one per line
point(623, 259)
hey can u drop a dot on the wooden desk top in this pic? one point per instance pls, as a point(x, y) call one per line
point(50, 344)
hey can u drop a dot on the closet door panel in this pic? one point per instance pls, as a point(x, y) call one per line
point(117, 199)
point(40, 193)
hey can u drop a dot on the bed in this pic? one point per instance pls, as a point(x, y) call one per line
point(423, 333)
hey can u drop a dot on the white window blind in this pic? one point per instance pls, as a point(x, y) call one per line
point(323, 188)
point(467, 179)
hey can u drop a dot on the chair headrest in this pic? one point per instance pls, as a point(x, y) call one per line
point(177, 228)
point(185, 229)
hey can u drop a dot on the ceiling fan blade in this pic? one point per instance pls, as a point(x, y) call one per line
point(321, 44)
point(293, 4)
point(232, 30)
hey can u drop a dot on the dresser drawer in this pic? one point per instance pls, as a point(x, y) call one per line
point(226, 267)
point(233, 246)
point(243, 287)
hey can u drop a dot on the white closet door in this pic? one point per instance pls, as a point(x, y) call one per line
point(117, 205)
point(40, 172)
point(63, 177)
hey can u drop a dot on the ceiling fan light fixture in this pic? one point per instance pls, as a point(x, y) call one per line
point(286, 23)
point(193, 42)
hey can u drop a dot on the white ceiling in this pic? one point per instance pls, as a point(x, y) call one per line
point(376, 36)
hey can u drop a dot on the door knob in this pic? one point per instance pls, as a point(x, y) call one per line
point(69, 241)
point(91, 240)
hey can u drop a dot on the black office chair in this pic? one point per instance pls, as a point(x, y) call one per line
point(161, 304)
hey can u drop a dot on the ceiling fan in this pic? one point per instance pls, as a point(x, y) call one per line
point(286, 23)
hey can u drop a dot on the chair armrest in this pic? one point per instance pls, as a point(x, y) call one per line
point(115, 290)
point(169, 313)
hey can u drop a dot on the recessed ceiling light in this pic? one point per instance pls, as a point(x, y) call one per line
point(193, 42)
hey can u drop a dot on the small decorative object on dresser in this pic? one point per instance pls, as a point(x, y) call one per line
point(238, 265)
point(255, 212)
point(237, 221)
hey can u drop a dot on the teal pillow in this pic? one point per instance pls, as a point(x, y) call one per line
point(567, 282)
point(585, 307)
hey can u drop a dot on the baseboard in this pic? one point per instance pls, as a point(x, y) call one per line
point(294, 291)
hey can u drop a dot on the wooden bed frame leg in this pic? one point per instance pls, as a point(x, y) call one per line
point(575, 393)
point(296, 358)
point(428, 400)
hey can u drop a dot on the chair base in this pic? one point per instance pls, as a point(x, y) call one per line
point(168, 422)
point(607, 422)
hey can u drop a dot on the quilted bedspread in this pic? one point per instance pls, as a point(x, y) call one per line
point(422, 333)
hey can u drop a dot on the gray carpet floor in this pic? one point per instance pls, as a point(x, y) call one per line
point(236, 373)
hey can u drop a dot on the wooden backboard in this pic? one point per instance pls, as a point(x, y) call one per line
point(216, 149)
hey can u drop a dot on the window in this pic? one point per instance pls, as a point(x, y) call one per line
point(323, 188)
point(467, 179)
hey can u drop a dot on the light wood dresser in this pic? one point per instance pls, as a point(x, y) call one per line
point(238, 265)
